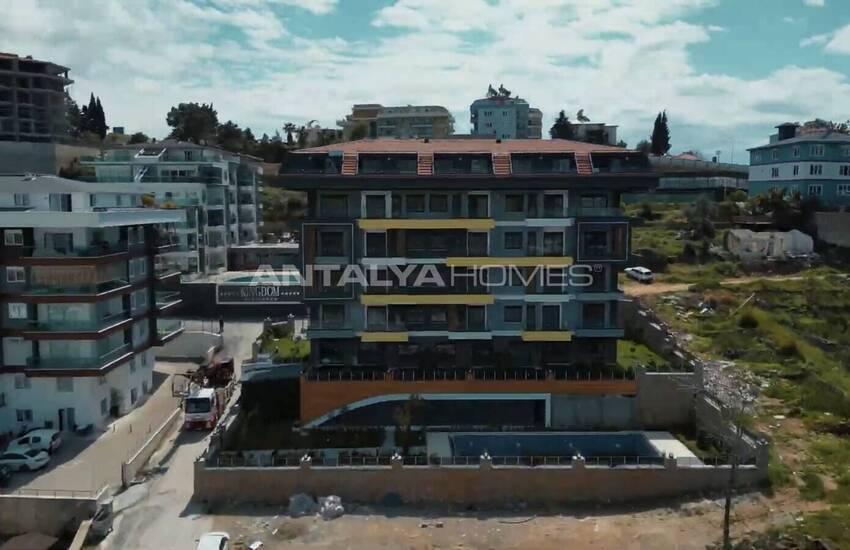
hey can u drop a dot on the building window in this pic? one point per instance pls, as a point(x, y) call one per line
point(22, 382)
point(843, 189)
point(101, 380)
point(845, 151)
point(104, 408)
point(796, 152)
point(817, 150)
point(756, 157)
point(513, 314)
point(376, 244)
point(415, 203)
point(15, 274)
point(815, 189)
point(13, 237)
point(477, 244)
point(22, 199)
point(513, 240)
point(376, 206)
point(134, 396)
point(439, 203)
point(143, 359)
point(144, 386)
point(774, 172)
point(514, 204)
point(478, 205)
point(65, 384)
point(815, 169)
point(796, 169)
point(376, 318)
point(331, 243)
point(553, 243)
point(132, 364)
point(844, 170)
point(17, 310)
point(774, 154)
point(334, 206)
point(333, 315)
point(24, 415)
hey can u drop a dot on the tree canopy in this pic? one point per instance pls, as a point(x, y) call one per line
point(139, 137)
point(193, 122)
point(660, 139)
point(562, 128)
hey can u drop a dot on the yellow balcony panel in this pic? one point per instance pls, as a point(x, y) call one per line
point(426, 299)
point(546, 336)
point(483, 224)
point(383, 337)
point(529, 261)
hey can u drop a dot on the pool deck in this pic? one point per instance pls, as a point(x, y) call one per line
point(438, 444)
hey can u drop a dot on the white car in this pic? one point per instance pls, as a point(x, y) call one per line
point(214, 541)
point(30, 460)
point(641, 274)
point(40, 440)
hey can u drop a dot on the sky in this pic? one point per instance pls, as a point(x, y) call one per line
point(726, 71)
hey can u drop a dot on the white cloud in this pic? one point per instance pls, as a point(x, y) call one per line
point(815, 3)
point(789, 19)
point(837, 42)
point(620, 60)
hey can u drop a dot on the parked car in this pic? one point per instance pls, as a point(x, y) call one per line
point(640, 274)
point(40, 440)
point(214, 541)
point(31, 460)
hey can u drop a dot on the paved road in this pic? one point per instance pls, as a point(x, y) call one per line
point(159, 514)
point(87, 463)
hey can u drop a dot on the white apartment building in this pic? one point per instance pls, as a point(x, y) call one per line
point(82, 289)
point(217, 190)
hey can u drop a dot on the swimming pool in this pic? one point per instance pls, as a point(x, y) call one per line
point(588, 444)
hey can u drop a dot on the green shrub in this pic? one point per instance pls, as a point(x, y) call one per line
point(748, 320)
point(812, 488)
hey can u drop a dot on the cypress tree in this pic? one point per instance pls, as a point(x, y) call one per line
point(100, 120)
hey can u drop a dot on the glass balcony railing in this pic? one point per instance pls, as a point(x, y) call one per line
point(74, 325)
point(99, 288)
point(166, 271)
point(93, 362)
point(167, 298)
point(604, 211)
point(91, 251)
point(165, 327)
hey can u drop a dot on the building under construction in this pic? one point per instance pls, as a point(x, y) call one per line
point(32, 99)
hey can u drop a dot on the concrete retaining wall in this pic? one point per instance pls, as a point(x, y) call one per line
point(483, 485)
point(591, 412)
point(130, 468)
point(665, 400)
point(44, 514)
point(195, 346)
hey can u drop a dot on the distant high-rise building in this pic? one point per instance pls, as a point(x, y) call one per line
point(32, 99)
point(501, 116)
point(411, 121)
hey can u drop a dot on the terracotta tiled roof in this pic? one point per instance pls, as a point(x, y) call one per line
point(463, 146)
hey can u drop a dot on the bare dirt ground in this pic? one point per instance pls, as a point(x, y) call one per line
point(685, 525)
point(632, 288)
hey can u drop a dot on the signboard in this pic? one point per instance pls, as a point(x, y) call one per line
point(262, 293)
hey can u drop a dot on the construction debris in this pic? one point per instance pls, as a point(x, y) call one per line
point(301, 505)
point(330, 507)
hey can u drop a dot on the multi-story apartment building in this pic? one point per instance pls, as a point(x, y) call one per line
point(218, 191)
point(411, 121)
point(526, 239)
point(504, 117)
point(83, 289)
point(809, 159)
point(32, 99)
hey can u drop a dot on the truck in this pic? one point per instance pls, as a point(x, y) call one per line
point(202, 408)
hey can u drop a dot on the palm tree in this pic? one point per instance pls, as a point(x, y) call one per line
point(289, 128)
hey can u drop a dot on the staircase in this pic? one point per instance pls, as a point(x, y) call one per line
point(584, 164)
point(349, 164)
point(501, 164)
point(425, 166)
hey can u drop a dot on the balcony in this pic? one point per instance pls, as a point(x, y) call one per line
point(168, 329)
point(109, 358)
point(532, 163)
point(105, 287)
point(166, 300)
point(99, 251)
point(164, 272)
point(70, 325)
point(602, 211)
point(311, 164)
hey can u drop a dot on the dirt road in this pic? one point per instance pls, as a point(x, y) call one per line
point(639, 289)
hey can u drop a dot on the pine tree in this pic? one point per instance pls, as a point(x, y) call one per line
point(89, 122)
point(660, 135)
point(100, 120)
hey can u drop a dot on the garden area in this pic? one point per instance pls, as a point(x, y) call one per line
point(791, 338)
point(279, 341)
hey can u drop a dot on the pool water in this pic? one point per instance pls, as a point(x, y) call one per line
point(589, 445)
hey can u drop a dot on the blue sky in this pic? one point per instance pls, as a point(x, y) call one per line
point(727, 71)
